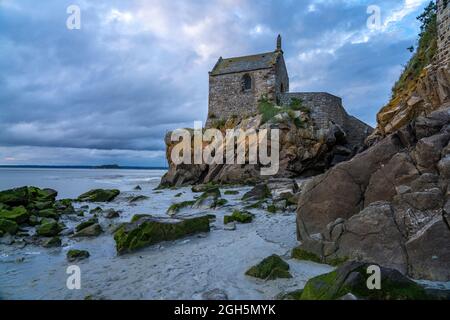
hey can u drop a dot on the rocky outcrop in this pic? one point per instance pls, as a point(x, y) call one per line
point(388, 205)
point(424, 85)
point(306, 149)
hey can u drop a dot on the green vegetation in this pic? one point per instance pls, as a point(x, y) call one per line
point(76, 255)
point(99, 195)
point(301, 254)
point(177, 207)
point(48, 229)
point(272, 208)
point(268, 110)
point(231, 192)
point(238, 216)
point(86, 224)
point(148, 231)
point(17, 214)
point(332, 286)
point(8, 226)
point(137, 198)
point(270, 268)
point(427, 47)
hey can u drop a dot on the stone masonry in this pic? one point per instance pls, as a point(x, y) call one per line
point(229, 97)
point(443, 21)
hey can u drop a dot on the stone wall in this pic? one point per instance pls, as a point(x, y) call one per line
point(228, 100)
point(327, 109)
point(281, 77)
point(443, 20)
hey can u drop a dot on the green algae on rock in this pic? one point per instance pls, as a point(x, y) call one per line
point(99, 195)
point(48, 229)
point(270, 268)
point(238, 216)
point(147, 230)
point(17, 214)
point(352, 277)
point(86, 224)
point(77, 255)
point(300, 254)
point(8, 226)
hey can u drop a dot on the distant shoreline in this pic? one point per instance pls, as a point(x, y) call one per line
point(83, 167)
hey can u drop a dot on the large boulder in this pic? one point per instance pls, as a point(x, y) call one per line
point(429, 251)
point(144, 231)
point(387, 205)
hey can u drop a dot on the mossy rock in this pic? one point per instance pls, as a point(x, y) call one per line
point(99, 195)
point(178, 195)
point(204, 188)
point(352, 277)
point(96, 210)
point(270, 268)
point(52, 242)
point(272, 208)
point(293, 295)
point(17, 214)
point(256, 205)
point(239, 216)
point(41, 195)
point(48, 229)
point(48, 213)
point(210, 199)
point(14, 197)
point(8, 226)
point(300, 254)
point(86, 224)
point(259, 192)
point(93, 230)
point(42, 205)
point(177, 207)
point(220, 203)
point(137, 198)
point(231, 192)
point(77, 255)
point(147, 231)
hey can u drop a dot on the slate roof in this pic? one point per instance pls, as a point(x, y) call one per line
point(245, 63)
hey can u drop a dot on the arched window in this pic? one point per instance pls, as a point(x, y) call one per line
point(246, 82)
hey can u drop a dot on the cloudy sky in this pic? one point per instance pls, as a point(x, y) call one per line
point(107, 93)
